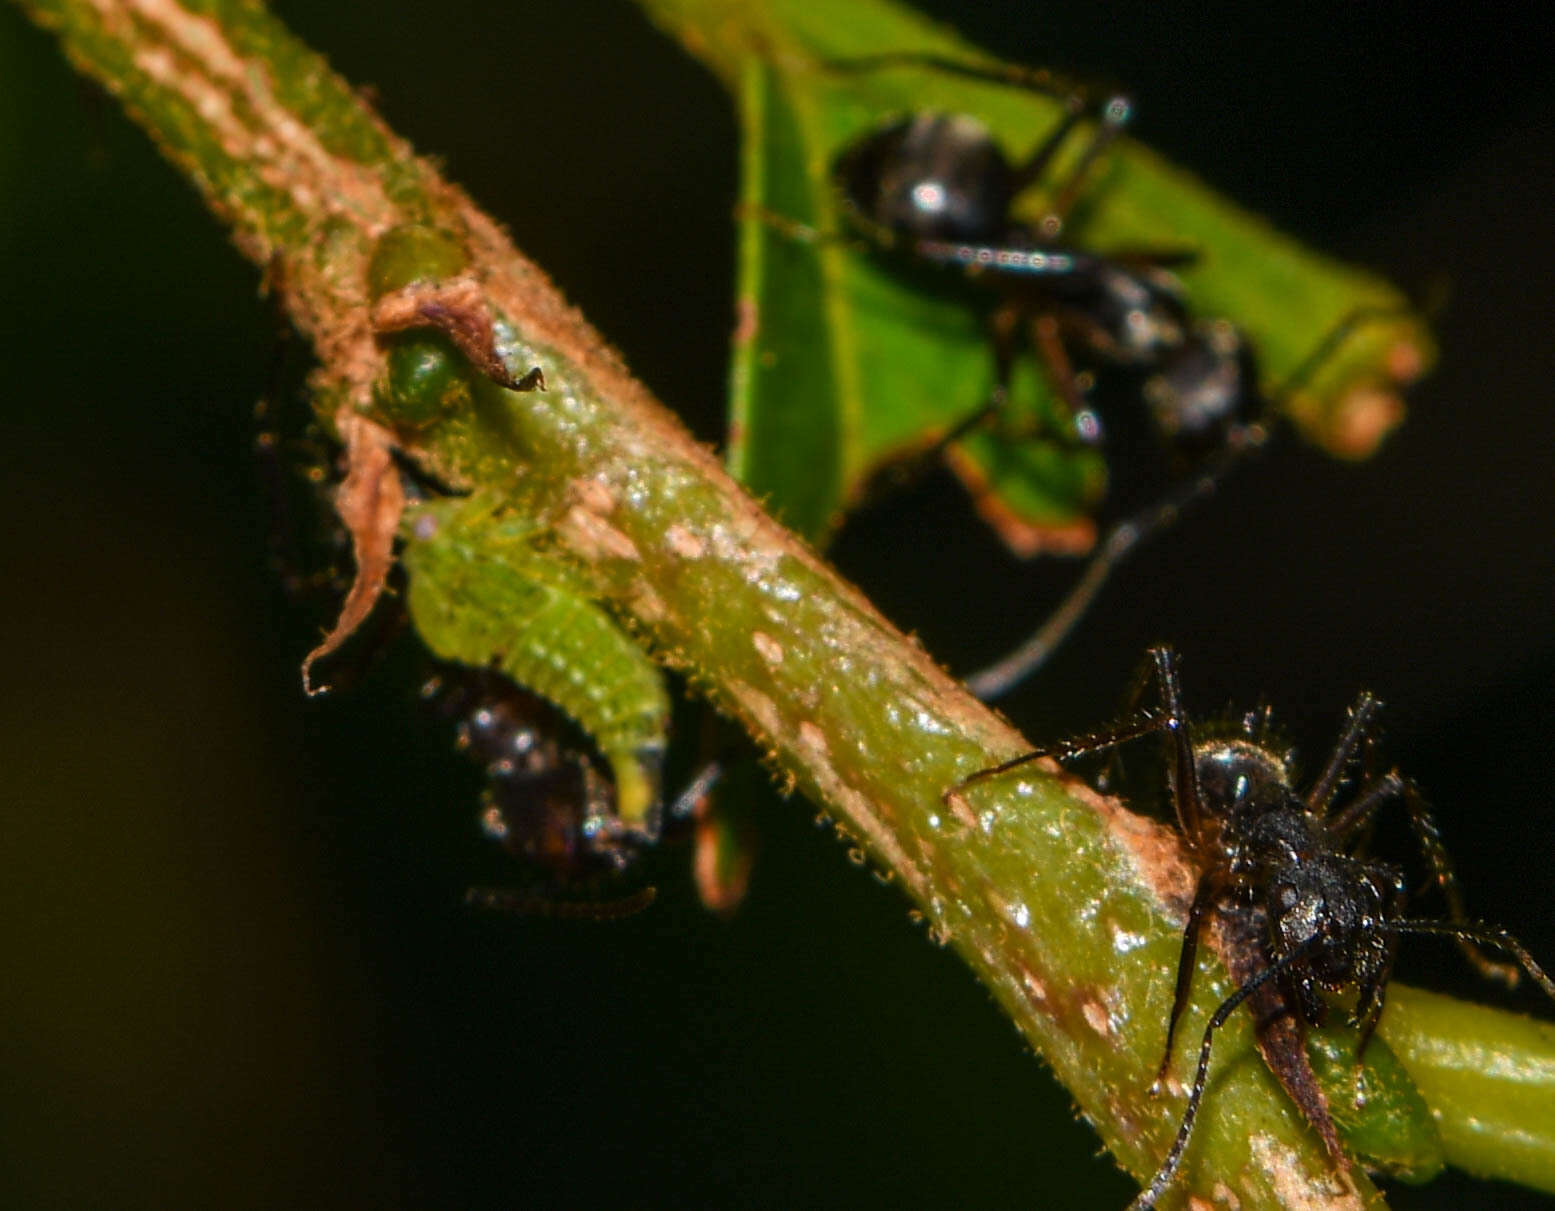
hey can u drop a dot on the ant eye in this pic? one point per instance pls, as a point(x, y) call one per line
point(1286, 897)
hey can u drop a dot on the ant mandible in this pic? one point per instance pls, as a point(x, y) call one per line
point(936, 189)
point(1301, 913)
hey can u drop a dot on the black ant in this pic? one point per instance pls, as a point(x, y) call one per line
point(548, 801)
point(935, 189)
point(1300, 911)
point(1210, 385)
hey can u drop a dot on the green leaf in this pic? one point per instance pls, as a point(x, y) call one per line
point(842, 364)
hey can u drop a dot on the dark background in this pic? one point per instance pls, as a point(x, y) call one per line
point(239, 972)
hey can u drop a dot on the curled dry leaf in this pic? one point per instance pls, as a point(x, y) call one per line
point(370, 501)
point(457, 308)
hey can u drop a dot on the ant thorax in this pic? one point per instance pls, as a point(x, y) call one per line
point(1336, 906)
point(1279, 861)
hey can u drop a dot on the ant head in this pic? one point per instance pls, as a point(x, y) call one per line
point(1242, 776)
point(927, 176)
point(1333, 905)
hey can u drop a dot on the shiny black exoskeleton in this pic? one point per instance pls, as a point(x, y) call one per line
point(931, 177)
point(1273, 854)
point(934, 189)
point(549, 800)
point(546, 800)
point(1300, 913)
point(938, 190)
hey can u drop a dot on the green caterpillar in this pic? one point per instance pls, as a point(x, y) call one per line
point(482, 593)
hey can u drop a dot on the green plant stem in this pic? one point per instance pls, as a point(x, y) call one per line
point(1066, 906)
point(1489, 1077)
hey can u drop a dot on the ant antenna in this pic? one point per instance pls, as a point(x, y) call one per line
point(1005, 674)
point(1033, 79)
point(502, 899)
point(1169, 1166)
point(1486, 935)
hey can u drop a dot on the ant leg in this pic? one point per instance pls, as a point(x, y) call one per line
point(692, 802)
point(793, 229)
point(503, 899)
point(1002, 328)
point(1086, 429)
point(1363, 809)
point(1041, 157)
point(1173, 1160)
point(1128, 708)
point(1115, 114)
point(1369, 1002)
point(1371, 996)
point(1209, 887)
point(1162, 663)
point(1373, 989)
point(997, 679)
point(1185, 782)
point(1429, 836)
point(1356, 730)
point(1465, 932)
point(1050, 351)
point(1132, 724)
point(1143, 724)
point(1037, 80)
point(904, 473)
